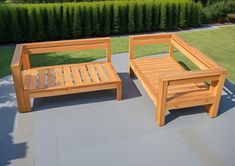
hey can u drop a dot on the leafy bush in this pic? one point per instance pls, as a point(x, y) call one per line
point(218, 11)
point(38, 22)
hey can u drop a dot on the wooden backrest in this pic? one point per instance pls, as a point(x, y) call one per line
point(22, 51)
point(70, 45)
point(174, 41)
point(147, 39)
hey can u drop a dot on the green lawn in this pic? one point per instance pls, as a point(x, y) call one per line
point(218, 44)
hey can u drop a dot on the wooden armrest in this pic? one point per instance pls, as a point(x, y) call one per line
point(191, 76)
point(17, 57)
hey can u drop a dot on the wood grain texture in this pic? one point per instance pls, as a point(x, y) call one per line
point(168, 84)
point(62, 79)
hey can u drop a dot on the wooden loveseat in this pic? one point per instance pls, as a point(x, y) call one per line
point(61, 79)
point(168, 84)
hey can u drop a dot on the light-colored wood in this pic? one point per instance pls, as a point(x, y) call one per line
point(119, 91)
point(93, 74)
point(67, 76)
point(62, 79)
point(65, 48)
point(216, 89)
point(108, 51)
point(162, 103)
point(59, 77)
point(131, 48)
point(42, 78)
point(26, 61)
point(22, 100)
point(101, 73)
point(50, 78)
point(169, 85)
point(171, 50)
point(72, 90)
point(76, 75)
point(86, 78)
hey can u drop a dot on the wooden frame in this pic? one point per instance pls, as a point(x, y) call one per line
point(168, 84)
point(61, 79)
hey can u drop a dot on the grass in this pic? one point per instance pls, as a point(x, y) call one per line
point(218, 44)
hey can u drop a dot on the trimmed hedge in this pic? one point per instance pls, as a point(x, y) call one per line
point(39, 22)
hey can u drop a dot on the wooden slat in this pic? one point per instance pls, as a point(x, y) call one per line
point(76, 75)
point(67, 43)
point(194, 99)
point(50, 78)
point(109, 72)
point(101, 73)
point(93, 74)
point(59, 77)
point(186, 88)
point(33, 79)
point(26, 79)
point(65, 48)
point(67, 76)
point(151, 36)
point(144, 81)
point(85, 76)
point(41, 78)
point(151, 41)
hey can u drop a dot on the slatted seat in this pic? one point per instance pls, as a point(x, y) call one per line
point(59, 77)
point(152, 68)
point(167, 82)
point(62, 79)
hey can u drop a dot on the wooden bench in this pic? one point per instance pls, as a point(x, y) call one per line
point(168, 84)
point(61, 79)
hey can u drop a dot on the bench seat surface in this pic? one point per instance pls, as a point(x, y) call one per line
point(148, 69)
point(72, 75)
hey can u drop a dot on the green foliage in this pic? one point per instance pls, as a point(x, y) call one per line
point(131, 17)
point(163, 16)
point(51, 24)
point(65, 23)
point(32, 28)
point(14, 26)
point(123, 18)
point(148, 15)
point(87, 20)
point(42, 31)
point(156, 16)
point(77, 22)
point(39, 22)
point(139, 17)
point(182, 16)
point(218, 11)
point(4, 38)
point(106, 19)
point(116, 19)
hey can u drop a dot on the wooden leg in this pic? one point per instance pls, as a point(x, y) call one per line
point(216, 89)
point(131, 73)
point(160, 116)
point(119, 92)
point(212, 109)
point(161, 106)
point(27, 103)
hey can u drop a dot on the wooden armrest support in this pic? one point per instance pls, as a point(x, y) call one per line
point(191, 76)
point(17, 57)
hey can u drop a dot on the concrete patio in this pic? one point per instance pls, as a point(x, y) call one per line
point(94, 129)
